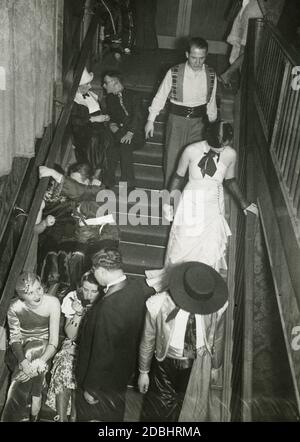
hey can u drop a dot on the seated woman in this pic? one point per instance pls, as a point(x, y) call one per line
point(65, 250)
point(200, 231)
point(92, 138)
point(61, 393)
point(33, 321)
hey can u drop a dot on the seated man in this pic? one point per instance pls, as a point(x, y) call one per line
point(124, 109)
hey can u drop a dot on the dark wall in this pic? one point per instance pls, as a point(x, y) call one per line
point(209, 19)
point(166, 17)
point(290, 20)
point(73, 10)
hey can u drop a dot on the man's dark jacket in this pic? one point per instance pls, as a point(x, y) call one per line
point(109, 340)
point(132, 122)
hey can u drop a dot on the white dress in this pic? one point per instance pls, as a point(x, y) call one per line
point(199, 231)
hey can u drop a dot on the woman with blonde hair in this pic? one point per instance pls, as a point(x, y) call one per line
point(33, 321)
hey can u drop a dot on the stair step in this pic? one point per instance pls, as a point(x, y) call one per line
point(148, 201)
point(139, 257)
point(151, 234)
point(159, 132)
point(146, 176)
point(141, 207)
point(151, 153)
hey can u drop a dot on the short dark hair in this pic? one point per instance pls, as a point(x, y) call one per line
point(197, 42)
point(77, 167)
point(113, 74)
point(89, 277)
point(108, 258)
point(227, 132)
point(212, 132)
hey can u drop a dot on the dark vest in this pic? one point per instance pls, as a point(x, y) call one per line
point(177, 81)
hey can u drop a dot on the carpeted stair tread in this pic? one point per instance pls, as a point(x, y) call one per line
point(146, 176)
point(150, 153)
point(138, 257)
point(145, 234)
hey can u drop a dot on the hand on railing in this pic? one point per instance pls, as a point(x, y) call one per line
point(46, 172)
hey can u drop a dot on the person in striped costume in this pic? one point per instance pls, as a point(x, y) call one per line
point(191, 90)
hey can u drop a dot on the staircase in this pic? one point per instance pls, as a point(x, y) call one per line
point(143, 245)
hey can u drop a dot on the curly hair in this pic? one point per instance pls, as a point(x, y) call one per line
point(24, 281)
point(108, 258)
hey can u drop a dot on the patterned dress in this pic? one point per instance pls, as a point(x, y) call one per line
point(62, 372)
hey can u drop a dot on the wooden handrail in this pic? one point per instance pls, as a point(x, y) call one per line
point(277, 104)
point(274, 136)
point(27, 233)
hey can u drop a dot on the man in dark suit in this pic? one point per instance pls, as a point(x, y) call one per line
point(124, 110)
point(109, 341)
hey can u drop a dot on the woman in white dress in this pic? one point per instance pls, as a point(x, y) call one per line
point(200, 231)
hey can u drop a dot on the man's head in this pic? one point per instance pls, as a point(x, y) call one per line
point(196, 53)
point(85, 81)
point(112, 82)
point(107, 265)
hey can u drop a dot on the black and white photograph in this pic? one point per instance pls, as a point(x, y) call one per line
point(149, 216)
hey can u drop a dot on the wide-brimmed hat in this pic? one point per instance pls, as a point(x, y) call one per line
point(197, 288)
point(86, 77)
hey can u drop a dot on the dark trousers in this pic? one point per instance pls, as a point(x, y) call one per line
point(168, 383)
point(110, 408)
point(124, 153)
point(180, 132)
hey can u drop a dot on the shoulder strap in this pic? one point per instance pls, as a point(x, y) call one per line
point(210, 75)
point(174, 73)
point(177, 73)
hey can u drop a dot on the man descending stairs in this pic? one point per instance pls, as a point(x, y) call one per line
point(143, 244)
